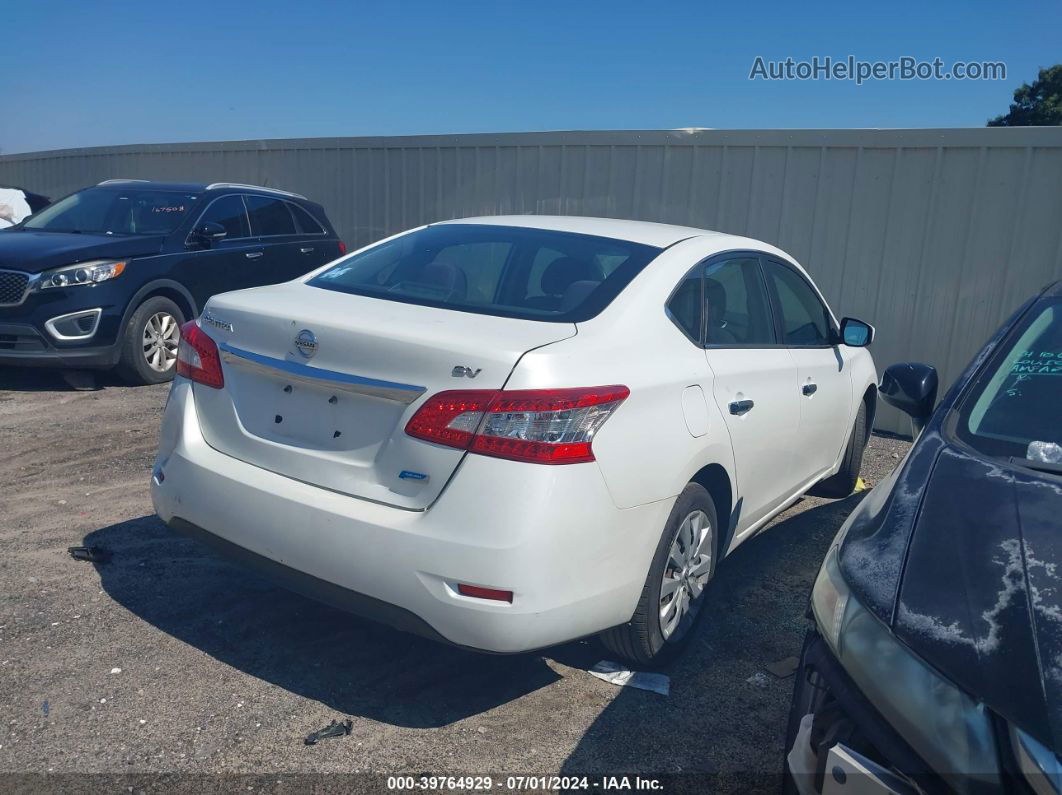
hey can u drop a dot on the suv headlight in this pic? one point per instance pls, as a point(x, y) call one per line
point(83, 273)
point(947, 728)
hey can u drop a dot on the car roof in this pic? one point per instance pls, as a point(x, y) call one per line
point(198, 187)
point(645, 232)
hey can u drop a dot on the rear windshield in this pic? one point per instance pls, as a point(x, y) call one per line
point(534, 274)
point(1018, 398)
point(111, 211)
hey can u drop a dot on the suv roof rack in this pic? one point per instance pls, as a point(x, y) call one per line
point(114, 181)
point(214, 185)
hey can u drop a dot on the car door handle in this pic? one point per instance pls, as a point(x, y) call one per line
point(306, 249)
point(809, 389)
point(254, 254)
point(741, 406)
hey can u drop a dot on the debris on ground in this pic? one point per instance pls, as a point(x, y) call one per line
point(333, 729)
point(616, 674)
point(90, 554)
point(783, 669)
point(759, 679)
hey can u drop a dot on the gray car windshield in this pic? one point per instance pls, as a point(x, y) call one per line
point(1018, 398)
point(108, 211)
point(536, 274)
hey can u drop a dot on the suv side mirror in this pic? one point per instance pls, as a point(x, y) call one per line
point(209, 232)
point(910, 387)
point(856, 333)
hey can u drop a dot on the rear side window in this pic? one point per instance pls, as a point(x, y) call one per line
point(269, 217)
point(230, 213)
point(535, 274)
point(735, 303)
point(308, 225)
point(805, 320)
point(686, 305)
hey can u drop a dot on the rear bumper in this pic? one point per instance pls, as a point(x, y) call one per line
point(552, 535)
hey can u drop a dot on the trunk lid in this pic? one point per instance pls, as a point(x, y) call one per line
point(319, 385)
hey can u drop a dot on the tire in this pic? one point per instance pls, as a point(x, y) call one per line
point(136, 364)
point(650, 639)
point(844, 482)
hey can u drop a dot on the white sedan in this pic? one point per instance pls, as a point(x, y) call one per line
point(510, 432)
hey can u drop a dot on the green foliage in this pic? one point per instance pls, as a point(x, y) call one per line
point(1035, 105)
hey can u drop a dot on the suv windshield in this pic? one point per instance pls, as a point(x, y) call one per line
point(1016, 399)
point(534, 274)
point(107, 211)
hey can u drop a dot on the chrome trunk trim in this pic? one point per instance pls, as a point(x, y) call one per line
point(388, 390)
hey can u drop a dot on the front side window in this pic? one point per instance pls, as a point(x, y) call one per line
point(111, 211)
point(230, 213)
point(805, 319)
point(735, 304)
point(536, 274)
point(269, 217)
point(1018, 397)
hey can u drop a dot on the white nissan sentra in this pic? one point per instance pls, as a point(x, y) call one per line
point(510, 432)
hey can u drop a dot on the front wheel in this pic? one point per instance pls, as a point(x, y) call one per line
point(673, 595)
point(149, 342)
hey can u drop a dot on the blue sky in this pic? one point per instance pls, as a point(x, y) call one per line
point(100, 73)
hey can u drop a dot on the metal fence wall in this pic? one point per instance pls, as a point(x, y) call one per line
point(934, 236)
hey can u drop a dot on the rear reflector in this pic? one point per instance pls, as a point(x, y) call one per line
point(342, 248)
point(198, 357)
point(545, 426)
point(485, 593)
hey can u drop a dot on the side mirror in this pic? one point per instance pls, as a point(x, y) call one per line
point(856, 333)
point(209, 232)
point(910, 387)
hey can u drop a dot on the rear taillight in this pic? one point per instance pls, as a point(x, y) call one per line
point(198, 357)
point(342, 248)
point(546, 426)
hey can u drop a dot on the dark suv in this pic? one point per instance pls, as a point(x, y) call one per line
point(105, 277)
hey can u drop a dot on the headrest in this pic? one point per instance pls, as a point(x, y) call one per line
point(564, 271)
point(715, 298)
point(444, 277)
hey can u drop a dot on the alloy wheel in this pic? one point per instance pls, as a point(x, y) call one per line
point(161, 338)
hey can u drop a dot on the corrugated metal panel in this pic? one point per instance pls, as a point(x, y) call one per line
point(935, 236)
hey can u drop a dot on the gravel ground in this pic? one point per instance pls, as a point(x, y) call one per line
point(171, 660)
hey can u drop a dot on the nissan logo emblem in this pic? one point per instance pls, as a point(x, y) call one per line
point(306, 343)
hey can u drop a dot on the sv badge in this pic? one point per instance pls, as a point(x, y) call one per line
point(465, 372)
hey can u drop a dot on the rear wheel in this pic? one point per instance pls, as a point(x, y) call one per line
point(844, 482)
point(673, 595)
point(149, 342)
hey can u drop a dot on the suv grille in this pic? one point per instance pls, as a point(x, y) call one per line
point(13, 287)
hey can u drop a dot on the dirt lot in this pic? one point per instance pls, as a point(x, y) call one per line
point(169, 659)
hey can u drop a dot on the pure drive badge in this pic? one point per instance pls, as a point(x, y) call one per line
point(306, 343)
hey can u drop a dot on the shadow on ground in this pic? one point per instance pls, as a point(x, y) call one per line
point(351, 665)
point(44, 379)
point(360, 668)
point(715, 723)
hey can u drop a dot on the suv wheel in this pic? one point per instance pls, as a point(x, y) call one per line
point(673, 595)
point(149, 342)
